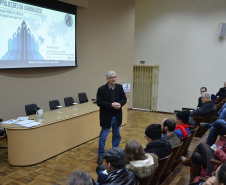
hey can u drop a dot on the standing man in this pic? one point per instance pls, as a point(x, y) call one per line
point(110, 99)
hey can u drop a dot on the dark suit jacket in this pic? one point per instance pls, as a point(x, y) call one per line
point(204, 109)
point(221, 92)
point(104, 101)
point(199, 102)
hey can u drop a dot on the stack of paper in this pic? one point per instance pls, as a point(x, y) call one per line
point(28, 123)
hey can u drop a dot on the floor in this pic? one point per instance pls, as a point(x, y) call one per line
point(56, 170)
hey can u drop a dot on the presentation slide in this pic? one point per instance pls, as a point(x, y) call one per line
point(33, 36)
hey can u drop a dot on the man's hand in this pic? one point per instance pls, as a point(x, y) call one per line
point(116, 105)
point(210, 181)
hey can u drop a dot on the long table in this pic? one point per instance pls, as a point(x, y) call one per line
point(56, 133)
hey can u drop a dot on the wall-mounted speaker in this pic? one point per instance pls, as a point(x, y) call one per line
point(222, 30)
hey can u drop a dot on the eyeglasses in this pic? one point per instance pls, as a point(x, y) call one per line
point(112, 77)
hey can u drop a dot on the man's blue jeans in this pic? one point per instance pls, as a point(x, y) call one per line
point(218, 128)
point(116, 138)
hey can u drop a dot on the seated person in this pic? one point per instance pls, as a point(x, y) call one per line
point(115, 172)
point(222, 108)
point(216, 128)
point(201, 158)
point(168, 132)
point(80, 177)
point(182, 127)
point(156, 144)
point(202, 90)
point(207, 107)
point(141, 164)
point(219, 178)
point(222, 91)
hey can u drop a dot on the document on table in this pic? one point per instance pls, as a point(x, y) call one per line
point(27, 123)
point(22, 118)
point(10, 121)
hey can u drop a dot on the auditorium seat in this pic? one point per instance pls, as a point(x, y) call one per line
point(158, 173)
point(168, 168)
point(209, 118)
point(192, 133)
point(177, 159)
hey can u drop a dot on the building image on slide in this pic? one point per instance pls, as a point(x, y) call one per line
point(23, 46)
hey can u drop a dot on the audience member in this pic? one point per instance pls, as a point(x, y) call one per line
point(156, 144)
point(80, 177)
point(222, 108)
point(115, 172)
point(219, 178)
point(217, 128)
point(182, 127)
point(202, 111)
point(168, 132)
point(202, 90)
point(222, 91)
point(201, 157)
point(141, 164)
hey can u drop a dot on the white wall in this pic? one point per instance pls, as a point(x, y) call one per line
point(181, 36)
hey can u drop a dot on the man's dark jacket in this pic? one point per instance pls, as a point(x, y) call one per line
point(127, 178)
point(221, 92)
point(160, 147)
point(104, 101)
point(204, 109)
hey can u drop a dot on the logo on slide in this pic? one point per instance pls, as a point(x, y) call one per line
point(68, 20)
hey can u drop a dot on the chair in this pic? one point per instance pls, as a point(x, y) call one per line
point(169, 165)
point(158, 173)
point(53, 104)
point(177, 159)
point(3, 132)
point(145, 181)
point(31, 109)
point(68, 101)
point(207, 119)
point(192, 133)
point(82, 97)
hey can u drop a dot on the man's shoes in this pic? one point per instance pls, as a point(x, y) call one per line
point(205, 125)
point(99, 160)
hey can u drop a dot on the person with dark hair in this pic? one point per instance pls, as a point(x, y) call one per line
point(80, 177)
point(168, 132)
point(219, 178)
point(115, 172)
point(110, 98)
point(156, 144)
point(141, 164)
point(182, 127)
point(222, 91)
point(207, 107)
point(202, 90)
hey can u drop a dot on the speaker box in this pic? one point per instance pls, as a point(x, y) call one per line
point(222, 30)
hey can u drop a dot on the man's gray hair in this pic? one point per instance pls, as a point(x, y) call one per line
point(110, 73)
point(79, 177)
point(207, 95)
